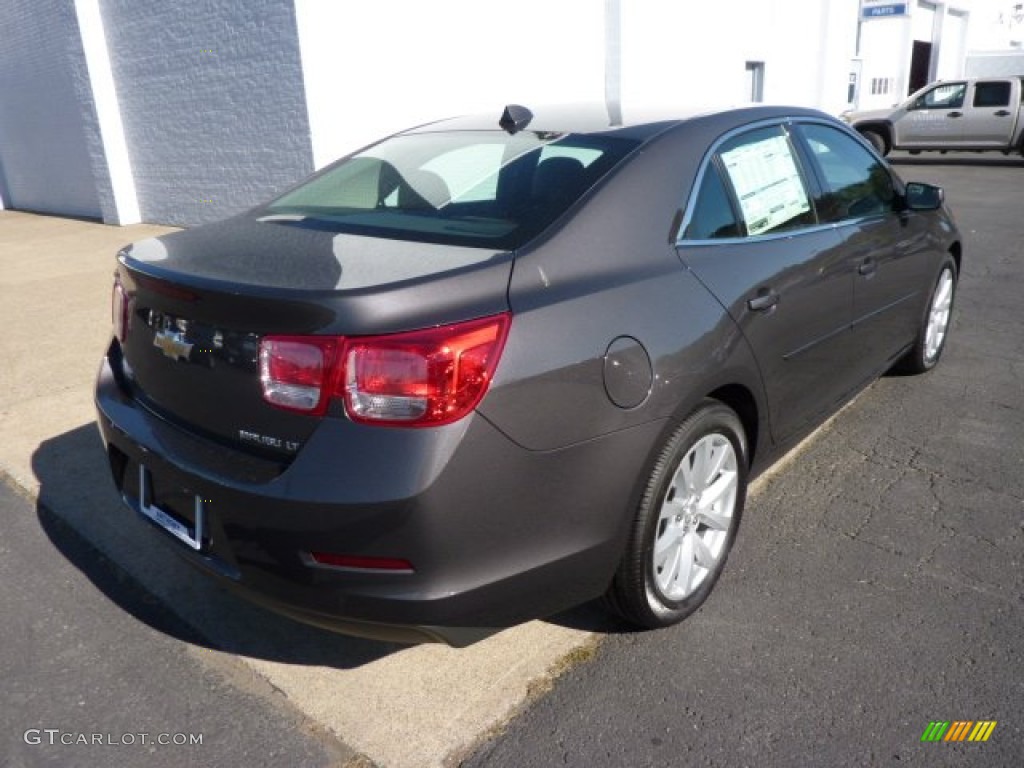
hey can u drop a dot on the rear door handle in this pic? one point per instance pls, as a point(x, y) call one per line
point(867, 267)
point(955, 114)
point(1001, 113)
point(766, 299)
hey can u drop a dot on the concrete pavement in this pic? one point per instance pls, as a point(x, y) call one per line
point(68, 700)
point(403, 707)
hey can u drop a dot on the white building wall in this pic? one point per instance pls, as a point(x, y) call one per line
point(887, 47)
point(45, 162)
point(186, 112)
point(953, 46)
point(996, 25)
point(375, 68)
point(696, 53)
point(212, 102)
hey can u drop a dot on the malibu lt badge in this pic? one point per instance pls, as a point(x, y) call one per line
point(172, 344)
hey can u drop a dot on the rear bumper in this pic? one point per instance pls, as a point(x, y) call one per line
point(496, 534)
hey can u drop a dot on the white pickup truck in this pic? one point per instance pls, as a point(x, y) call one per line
point(971, 114)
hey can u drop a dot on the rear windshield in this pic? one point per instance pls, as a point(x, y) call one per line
point(475, 188)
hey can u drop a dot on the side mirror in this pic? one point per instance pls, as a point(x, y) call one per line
point(924, 197)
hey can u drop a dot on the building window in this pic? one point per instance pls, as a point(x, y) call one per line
point(755, 80)
point(882, 85)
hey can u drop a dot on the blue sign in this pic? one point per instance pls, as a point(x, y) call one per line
point(881, 11)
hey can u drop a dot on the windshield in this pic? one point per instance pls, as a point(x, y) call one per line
point(476, 188)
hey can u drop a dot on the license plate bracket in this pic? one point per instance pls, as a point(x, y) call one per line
point(192, 536)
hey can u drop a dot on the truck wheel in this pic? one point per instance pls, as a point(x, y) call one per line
point(876, 141)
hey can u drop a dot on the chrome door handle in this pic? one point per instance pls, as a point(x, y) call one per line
point(766, 299)
point(867, 267)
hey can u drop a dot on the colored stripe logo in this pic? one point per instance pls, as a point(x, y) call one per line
point(958, 730)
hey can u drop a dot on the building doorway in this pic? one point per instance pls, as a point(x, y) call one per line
point(920, 65)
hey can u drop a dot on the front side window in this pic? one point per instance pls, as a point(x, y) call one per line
point(856, 184)
point(765, 176)
point(950, 96)
point(476, 188)
point(996, 94)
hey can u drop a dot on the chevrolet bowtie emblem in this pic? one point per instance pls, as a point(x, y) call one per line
point(172, 344)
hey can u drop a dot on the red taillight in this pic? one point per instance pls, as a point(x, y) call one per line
point(295, 371)
point(426, 377)
point(422, 378)
point(358, 562)
point(120, 310)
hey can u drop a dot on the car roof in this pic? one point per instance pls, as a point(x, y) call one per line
point(637, 123)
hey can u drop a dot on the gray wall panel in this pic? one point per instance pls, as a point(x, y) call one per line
point(45, 160)
point(212, 100)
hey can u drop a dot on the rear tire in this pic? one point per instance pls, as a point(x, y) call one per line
point(934, 330)
point(877, 141)
point(686, 522)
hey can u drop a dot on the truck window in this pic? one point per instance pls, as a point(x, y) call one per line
point(947, 96)
point(995, 94)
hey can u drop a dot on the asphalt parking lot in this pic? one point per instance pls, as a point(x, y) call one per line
point(877, 584)
point(878, 580)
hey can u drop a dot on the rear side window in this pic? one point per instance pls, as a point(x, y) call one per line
point(856, 184)
point(713, 216)
point(476, 188)
point(995, 94)
point(763, 171)
point(753, 185)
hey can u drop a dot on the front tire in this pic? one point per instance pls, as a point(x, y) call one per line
point(877, 141)
point(686, 522)
point(931, 336)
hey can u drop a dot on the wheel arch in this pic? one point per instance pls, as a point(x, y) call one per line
point(956, 251)
point(737, 396)
point(742, 401)
point(881, 127)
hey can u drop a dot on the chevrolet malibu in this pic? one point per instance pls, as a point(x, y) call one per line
point(494, 367)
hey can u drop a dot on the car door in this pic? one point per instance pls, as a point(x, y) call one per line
point(888, 247)
point(990, 120)
point(752, 237)
point(934, 118)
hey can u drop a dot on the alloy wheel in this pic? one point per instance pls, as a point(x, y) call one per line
point(695, 517)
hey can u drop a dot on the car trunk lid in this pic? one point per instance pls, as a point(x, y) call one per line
point(200, 301)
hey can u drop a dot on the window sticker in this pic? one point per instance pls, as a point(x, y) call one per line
point(767, 183)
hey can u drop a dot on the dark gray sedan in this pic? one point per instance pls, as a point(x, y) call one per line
point(494, 367)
